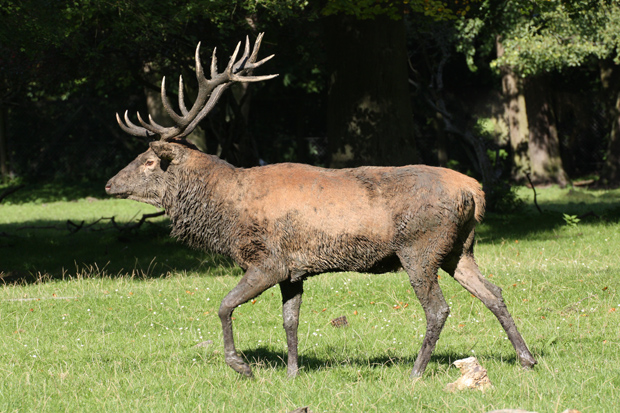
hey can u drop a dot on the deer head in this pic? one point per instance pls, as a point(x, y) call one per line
point(143, 179)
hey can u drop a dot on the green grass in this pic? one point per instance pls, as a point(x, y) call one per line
point(112, 320)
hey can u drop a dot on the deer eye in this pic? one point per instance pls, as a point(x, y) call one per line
point(149, 163)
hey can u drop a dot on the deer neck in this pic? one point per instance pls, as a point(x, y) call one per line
point(200, 204)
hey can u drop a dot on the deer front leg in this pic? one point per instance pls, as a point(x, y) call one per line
point(253, 283)
point(291, 301)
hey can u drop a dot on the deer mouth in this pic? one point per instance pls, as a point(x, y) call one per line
point(113, 191)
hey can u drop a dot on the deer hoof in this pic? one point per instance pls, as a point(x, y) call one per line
point(528, 364)
point(527, 361)
point(239, 366)
point(415, 374)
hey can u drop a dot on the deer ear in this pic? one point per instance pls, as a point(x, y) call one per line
point(172, 152)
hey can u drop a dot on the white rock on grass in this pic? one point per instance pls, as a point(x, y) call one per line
point(473, 376)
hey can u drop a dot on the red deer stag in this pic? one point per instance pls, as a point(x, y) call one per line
point(283, 223)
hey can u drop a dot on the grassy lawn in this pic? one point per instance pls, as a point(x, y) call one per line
point(109, 320)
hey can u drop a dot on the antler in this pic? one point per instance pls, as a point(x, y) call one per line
point(209, 91)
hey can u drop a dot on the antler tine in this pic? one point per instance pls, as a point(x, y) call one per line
point(182, 97)
point(122, 125)
point(199, 71)
point(132, 129)
point(252, 79)
point(239, 66)
point(164, 100)
point(152, 126)
point(231, 62)
point(214, 63)
point(257, 43)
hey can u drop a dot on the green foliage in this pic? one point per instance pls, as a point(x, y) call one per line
point(571, 220)
point(92, 32)
point(468, 31)
point(503, 197)
point(552, 35)
point(364, 9)
point(542, 35)
point(436, 10)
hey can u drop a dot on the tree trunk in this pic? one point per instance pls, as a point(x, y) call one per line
point(370, 118)
point(544, 145)
point(610, 174)
point(4, 150)
point(515, 116)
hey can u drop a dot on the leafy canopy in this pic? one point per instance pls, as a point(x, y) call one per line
point(549, 35)
point(369, 9)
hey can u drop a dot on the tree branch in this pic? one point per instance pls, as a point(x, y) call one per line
point(527, 175)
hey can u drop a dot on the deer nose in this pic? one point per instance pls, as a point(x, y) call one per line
point(108, 187)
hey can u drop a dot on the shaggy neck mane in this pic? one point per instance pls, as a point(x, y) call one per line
point(199, 205)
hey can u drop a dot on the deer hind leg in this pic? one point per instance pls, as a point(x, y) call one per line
point(253, 283)
point(469, 276)
point(423, 279)
point(291, 302)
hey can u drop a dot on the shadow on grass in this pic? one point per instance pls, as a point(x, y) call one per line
point(263, 357)
point(592, 205)
point(47, 250)
point(41, 192)
point(532, 225)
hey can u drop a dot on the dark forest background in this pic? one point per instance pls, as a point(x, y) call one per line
point(504, 91)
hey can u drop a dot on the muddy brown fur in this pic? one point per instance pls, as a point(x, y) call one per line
point(285, 222)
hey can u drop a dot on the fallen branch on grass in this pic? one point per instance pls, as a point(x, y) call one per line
point(131, 226)
point(73, 227)
point(588, 214)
